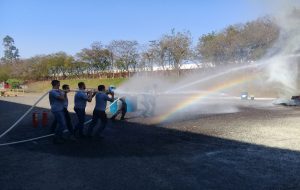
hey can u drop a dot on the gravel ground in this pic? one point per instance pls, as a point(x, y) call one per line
point(254, 146)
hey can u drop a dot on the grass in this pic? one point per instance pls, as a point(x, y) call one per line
point(43, 86)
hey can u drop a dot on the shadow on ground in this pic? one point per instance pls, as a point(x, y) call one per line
point(139, 156)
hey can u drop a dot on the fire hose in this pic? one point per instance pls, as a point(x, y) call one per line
point(25, 114)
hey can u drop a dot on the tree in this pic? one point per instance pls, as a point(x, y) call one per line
point(160, 52)
point(11, 53)
point(37, 67)
point(147, 59)
point(154, 54)
point(175, 48)
point(125, 54)
point(239, 43)
point(5, 70)
point(58, 64)
point(97, 57)
point(78, 68)
point(258, 36)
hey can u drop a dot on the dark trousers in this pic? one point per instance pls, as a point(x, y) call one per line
point(67, 120)
point(123, 111)
point(97, 114)
point(81, 119)
point(59, 117)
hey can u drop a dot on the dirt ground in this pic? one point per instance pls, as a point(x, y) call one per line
point(255, 146)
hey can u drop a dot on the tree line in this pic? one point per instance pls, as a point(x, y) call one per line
point(236, 44)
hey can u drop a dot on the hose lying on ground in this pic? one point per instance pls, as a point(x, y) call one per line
point(24, 115)
point(40, 137)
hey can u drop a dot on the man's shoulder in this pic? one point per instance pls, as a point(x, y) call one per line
point(53, 91)
point(101, 94)
point(80, 93)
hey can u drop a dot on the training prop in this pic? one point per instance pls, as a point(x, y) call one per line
point(44, 118)
point(35, 120)
point(131, 102)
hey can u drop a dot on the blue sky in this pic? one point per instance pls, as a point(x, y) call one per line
point(49, 26)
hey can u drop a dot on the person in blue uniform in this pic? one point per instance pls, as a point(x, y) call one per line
point(57, 99)
point(80, 100)
point(99, 110)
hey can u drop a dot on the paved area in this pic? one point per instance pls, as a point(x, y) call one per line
point(253, 147)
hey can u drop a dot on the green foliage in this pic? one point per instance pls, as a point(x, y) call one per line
point(176, 47)
point(96, 58)
point(11, 53)
point(77, 68)
point(240, 43)
point(5, 71)
point(43, 86)
point(14, 83)
point(58, 63)
point(38, 68)
point(125, 54)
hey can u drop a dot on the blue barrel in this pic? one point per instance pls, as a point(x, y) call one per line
point(131, 102)
point(113, 107)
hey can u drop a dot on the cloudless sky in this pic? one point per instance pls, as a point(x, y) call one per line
point(49, 26)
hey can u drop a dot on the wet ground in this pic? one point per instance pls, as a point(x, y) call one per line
point(254, 146)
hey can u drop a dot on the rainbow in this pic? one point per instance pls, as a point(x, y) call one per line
point(198, 97)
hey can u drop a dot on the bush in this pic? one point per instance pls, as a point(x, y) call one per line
point(14, 83)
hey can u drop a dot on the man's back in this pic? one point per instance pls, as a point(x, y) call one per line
point(101, 101)
point(55, 103)
point(80, 99)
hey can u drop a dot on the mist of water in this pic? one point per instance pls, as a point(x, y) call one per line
point(283, 65)
point(275, 75)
